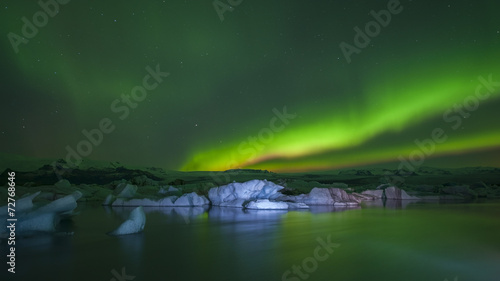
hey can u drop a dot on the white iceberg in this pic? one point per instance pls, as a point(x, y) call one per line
point(24, 204)
point(165, 190)
point(167, 201)
point(122, 190)
point(265, 204)
point(331, 196)
point(172, 189)
point(43, 222)
point(125, 190)
point(235, 194)
point(378, 193)
point(292, 205)
point(63, 205)
point(191, 199)
point(109, 200)
point(45, 218)
point(135, 223)
point(186, 200)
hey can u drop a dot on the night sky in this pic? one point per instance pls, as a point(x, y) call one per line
point(277, 85)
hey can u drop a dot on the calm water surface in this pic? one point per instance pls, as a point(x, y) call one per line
point(414, 241)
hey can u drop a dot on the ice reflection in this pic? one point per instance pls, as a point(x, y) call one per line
point(398, 204)
point(132, 246)
point(427, 241)
point(390, 203)
point(228, 214)
point(185, 214)
point(330, 209)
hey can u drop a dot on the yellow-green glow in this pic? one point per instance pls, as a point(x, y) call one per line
point(228, 79)
point(451, 146)
point(390, 104)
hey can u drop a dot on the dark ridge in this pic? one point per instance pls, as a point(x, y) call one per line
point(46, 175)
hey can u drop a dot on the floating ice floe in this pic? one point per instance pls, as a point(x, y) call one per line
point(331, 196)
point(376, 194)
point(165, 190)
point(44, 219)
point(191, 199)
point(38, 222)
point(134, 224)
point(172, 189)
point(236, 194)
point(23, 205)
point(125, 190)
point(122, 190)
point(186, 200)
point(265, 204)
point(292, 205)
point(63, 206)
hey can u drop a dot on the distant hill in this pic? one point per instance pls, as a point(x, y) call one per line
point(25, 164)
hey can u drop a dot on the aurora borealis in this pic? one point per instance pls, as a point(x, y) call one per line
point(434, 66)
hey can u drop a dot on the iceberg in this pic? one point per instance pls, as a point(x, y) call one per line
point(265, 204)
point(64, 205)
point(167, 201)
point(191, 199)
point(125, 190)
point(42, 222)
point(24, 204)
point(134, 224)
point(186, 200)
point(165, 190)
point(376, 194)
point(47, 217)
point(235, 194)
point(292, 205)
point(331, 196)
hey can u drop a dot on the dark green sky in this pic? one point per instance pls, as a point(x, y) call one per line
point(229, 81)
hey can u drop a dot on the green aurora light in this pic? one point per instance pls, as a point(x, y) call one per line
point(227, 77)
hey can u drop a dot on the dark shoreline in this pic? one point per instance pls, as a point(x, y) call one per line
point(442, 184)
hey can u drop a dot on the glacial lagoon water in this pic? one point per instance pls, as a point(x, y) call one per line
point(409, 241)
